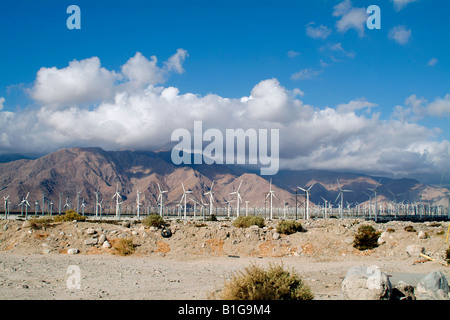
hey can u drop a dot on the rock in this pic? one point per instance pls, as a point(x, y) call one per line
point(433, 286)
point(403, 291)
point(46, 251)
point(5, 227)
point(91, 241)
point(134, 233)
point(366, 283)
point(101, 239)
point(422, 235)
point(126, 224)
point(73, 251)
point(414, 250)
point(90, 231)
point(276, 236)
point(153, 228)
point(106, 244)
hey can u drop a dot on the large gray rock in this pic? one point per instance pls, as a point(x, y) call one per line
point(433, 286)
point(366, 283)
point(403, 291)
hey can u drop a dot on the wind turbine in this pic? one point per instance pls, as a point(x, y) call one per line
point(100, 205)
point(25, 203)
point(83, 205)
point(96, 203)
point(117, 196)
point(307, 191)
point(67, 205)
point(271, 194)
point(326, 206)
point(161, 200)
point(138, 204)
point(374, 190)
point(184, 197)
point(6, 206)
point(238, 199)
point(211, 198)
point(341, 194)
point(78, 201)
point(43, 203)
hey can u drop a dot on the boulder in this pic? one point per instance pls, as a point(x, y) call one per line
point(101, 239)
point(276, 236)
point(433, 286)
point(366, 283)
point(422, 235)
point(414, 250)
point(106, 244)
point(90, 231)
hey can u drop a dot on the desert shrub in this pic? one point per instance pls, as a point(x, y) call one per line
point(245, 222)
point(274, 283)
point(40, 222)
point(211, 217)
point(366, 238)
point(123, 247)
point(289, 227)
point(390, 230)
point(410, 229)
point(69, 215)
point(154, 220)
point(447, 255)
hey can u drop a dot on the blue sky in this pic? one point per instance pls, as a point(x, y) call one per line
point(317, 50)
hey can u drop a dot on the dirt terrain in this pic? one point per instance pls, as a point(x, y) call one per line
point(198, 257)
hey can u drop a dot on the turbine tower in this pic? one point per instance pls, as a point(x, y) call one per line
point(6, 206)
point(185, 193)
point(138, 204)
point(238, 199)
point(341, 194)
point(374, 190)
point(161, 200)
point(117, 196)
point(307, 191)
point(271, 194)
point(25, 203)
point(211, 198)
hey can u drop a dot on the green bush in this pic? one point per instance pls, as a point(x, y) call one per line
point(39, 222)
point(69, 215)
point(289, 227)
point(447, 255)
point(211, 217)
point(366, 238)
point(410, 229)
point(275, 283)
point(154, 220)
point(245, 222)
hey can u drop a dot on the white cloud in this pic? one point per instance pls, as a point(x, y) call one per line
point(2, 101)
point(82, 81)
point(354, 105)
point(400, 4)
point(401, 34)
point(418, 108)
point(305, 74)
point(432, 62)
point(319, 32)
point(319, 138)
point(86, 81)
point(351, 18)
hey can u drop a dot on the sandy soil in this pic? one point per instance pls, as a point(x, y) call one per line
point(198, 258)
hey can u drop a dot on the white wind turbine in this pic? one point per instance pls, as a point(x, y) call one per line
point(67, 205)
point(99, 204)
point(341, 194)
point(117, 196)
point(307, 191)
point(238, 199)
point(138, 204)
point(96, 203)
point(326, 206)
point(374, 190)
point(6, 206)
point(161, 200)
point(83, 205)
point(184, 197)
point(271, 194)
point(211, 198)
point(25, 203)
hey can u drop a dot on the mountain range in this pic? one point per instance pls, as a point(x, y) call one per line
point(88, 170)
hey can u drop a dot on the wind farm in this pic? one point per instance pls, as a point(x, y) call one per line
point(320, 197)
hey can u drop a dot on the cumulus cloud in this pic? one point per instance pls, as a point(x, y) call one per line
point(319, 32)
point(416, 108)
point(138, 116)
point(2, 101)
point(400, 34)
point(350, 17)
point(305, 74)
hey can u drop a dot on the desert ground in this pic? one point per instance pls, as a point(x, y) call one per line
point(199, 257)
